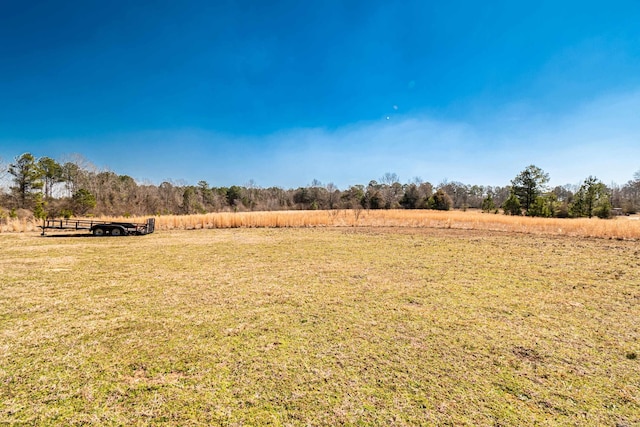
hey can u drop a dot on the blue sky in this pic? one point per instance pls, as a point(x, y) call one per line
point(285, 92)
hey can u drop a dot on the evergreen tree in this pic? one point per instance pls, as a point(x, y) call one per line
point(511, 206)
point(591, 199)
point(440, 201)
point(51, 174)
point(543, 206)
point(82, 201)
point(411, 197)
point(39, 211)
point(529, 185)
point(27, 178)
point(189, 200)
point(488, 205)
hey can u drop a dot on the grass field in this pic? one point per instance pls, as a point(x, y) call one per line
point(319, 326)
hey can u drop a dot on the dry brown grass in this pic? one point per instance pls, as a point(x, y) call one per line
point(16, 225)
point(626, 228)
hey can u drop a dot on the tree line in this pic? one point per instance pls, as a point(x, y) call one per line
point(43, 187)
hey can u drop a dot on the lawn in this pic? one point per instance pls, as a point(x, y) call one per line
point(319, 326)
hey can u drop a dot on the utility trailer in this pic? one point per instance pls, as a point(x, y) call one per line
point(100, 228)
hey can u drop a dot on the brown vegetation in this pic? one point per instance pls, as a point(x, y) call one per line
point(627, 228)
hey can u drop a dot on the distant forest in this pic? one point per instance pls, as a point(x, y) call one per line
point(43, 187)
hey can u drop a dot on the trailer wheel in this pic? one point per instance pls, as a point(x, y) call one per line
point(117, 231)
point(98, 231)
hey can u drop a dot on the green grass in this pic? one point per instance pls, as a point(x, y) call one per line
point(319, 327)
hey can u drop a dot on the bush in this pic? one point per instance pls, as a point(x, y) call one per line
point(563, 211)
point(541, 207)
point(440, 201)
point(603, 210)
point(488, 204)
point(511, 206)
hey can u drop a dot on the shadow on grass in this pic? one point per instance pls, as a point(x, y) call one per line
point(68, 235)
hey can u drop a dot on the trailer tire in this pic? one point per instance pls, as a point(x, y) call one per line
point(98, 231)
point(117, 231)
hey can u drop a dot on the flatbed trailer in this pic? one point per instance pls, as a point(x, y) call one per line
point(101, 228)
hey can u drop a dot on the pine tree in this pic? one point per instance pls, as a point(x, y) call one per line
point(488, 205)
point(27, 178)
point(511, 206)
point(529, 185)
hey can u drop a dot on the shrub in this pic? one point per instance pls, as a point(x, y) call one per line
point(488, 204)
point(511, 206)
point(440, 201)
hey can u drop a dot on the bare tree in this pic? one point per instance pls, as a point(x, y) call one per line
point(77, 173)
point(4, 173)
point(630, 195)
point(391, 190)
point(170, 198)
point(333, 195)
point(252, 194)
point(457, 192)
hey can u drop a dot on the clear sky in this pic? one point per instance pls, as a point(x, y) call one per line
point(285, 92)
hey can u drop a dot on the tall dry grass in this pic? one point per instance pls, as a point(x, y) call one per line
point(627, 228)
point(19, 225)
